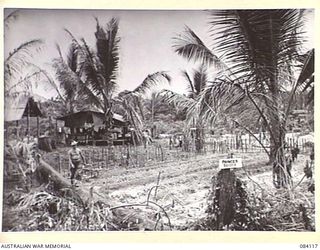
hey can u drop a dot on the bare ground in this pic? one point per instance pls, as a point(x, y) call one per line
point(184, 184)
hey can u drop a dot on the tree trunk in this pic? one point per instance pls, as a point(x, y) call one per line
point(281, 165)
point(47, 173)
point(199, 139)
point(152, 117)
point(38, 127)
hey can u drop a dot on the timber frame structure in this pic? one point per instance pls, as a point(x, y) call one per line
point(18, 107)
point(87, 127)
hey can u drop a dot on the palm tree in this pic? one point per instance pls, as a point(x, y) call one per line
point(195, 85)
point(20, 73)
point(155, 106)
point(130, 107)
point(99, 68)
point(18, 62)
point(131, 104)
point(69, 78)
point(198, 83)
point(257, 53)
point(91, 75)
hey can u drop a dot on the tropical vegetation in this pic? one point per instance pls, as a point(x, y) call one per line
point(256, 53)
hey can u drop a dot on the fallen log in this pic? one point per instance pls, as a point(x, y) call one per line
point(139, 221)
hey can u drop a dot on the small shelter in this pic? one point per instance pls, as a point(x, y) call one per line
point(87, 127)
point(22, 106)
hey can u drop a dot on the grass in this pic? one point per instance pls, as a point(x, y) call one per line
point(184, 192)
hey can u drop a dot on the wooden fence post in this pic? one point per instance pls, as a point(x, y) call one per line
point(59, 162)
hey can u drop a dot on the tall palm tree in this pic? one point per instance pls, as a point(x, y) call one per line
point(155, 106)
point(131, 103)
point(196, 83)
point(99, 68)
point(130, 107)
point(257, 53)
point(91, 74)
point(68, 75)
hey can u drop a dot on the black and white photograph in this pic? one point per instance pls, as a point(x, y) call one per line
point(158, 120)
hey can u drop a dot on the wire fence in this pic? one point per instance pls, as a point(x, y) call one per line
point(104, 157)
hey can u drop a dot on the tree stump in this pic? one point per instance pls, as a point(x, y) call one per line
point(224, 198)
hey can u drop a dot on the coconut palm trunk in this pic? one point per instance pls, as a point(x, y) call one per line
point(199, 141)
point(257, 52)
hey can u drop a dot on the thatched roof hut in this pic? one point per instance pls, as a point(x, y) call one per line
point(17, 107)
point(21, 106)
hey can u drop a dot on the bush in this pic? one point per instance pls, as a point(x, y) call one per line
point(258, 210)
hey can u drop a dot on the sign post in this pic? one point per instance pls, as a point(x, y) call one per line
point(225, 191)
point(230, 163)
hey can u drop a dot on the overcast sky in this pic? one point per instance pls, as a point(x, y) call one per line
point(146, 38)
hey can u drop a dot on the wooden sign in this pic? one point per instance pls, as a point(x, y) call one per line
point(230, 163)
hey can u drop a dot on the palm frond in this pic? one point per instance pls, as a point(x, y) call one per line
point(9, 18)
point(23, 50)
point(178, 100)
point(216, 99)
point(127, 108)
point(68, 80)
point(72, 57)
point(258, 42)
point(22, 84)
point(135, 100)
point(93, 77)
point(200, 79)
point(48, 79)
point(68, 75)
point(20, 57)
point(59, 50)
point(152, 80)
point(190, 46)
point(304, 81)
point(307, 69)
point(189, 82)
point(88, 96)
point(107, 43)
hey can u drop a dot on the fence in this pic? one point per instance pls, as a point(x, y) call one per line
point(138, 156)
point(250, 145)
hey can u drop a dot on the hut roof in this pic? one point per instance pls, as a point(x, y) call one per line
point(79, 119)
point(19, 106)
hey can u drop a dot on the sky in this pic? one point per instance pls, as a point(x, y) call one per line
point(145, 46)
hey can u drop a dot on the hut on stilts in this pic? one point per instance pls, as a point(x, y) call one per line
point(15, 109)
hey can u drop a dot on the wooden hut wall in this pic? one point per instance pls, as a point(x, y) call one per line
point(78, 120)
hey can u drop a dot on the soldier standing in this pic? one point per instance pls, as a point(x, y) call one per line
point(75, 157)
